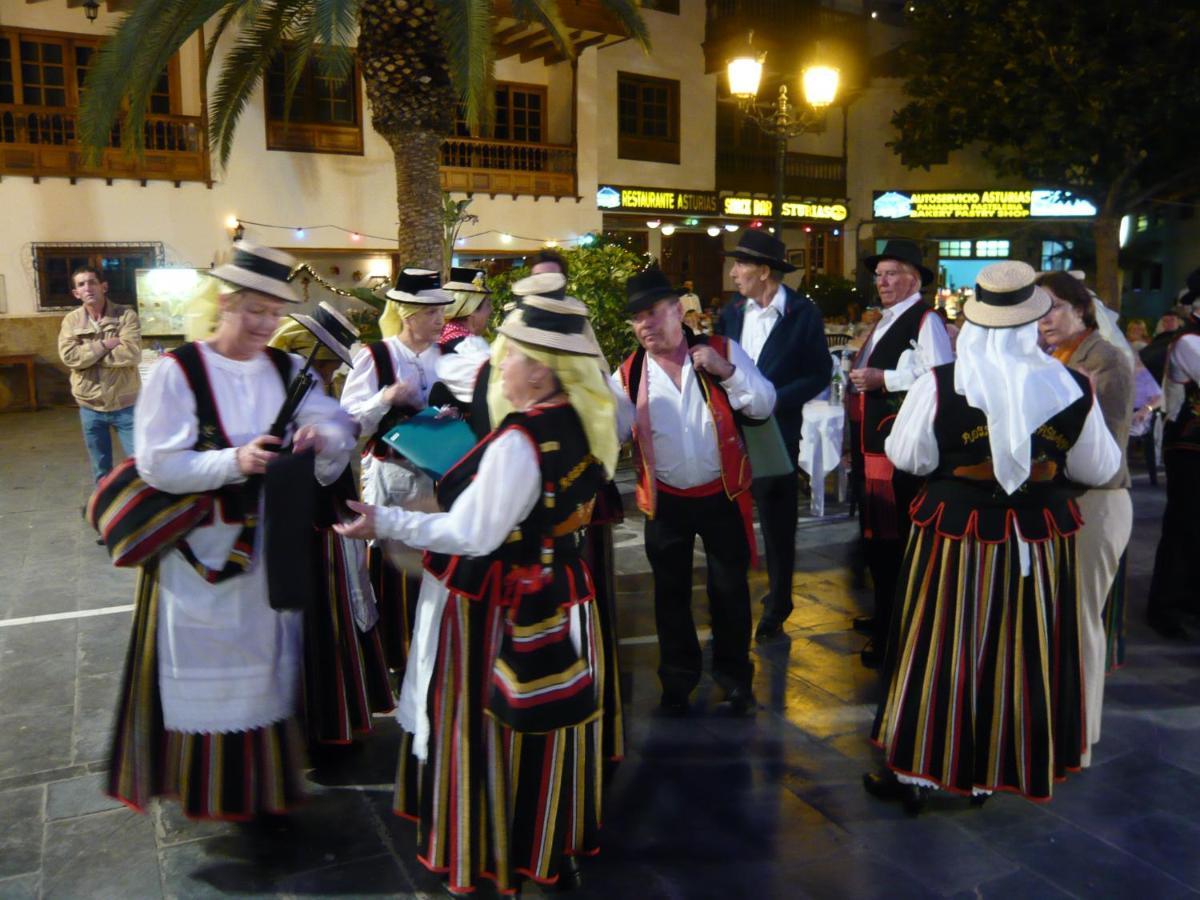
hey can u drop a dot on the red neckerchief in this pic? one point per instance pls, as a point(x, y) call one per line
point(455, 328)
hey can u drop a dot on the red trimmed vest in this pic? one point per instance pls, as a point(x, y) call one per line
point(731, 449)
point(386, 372)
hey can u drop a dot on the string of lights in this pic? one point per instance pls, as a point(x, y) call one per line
point(236, 224)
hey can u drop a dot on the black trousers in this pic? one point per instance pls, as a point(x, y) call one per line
point(670, 540)
point(777, 500)
point(1173, 587)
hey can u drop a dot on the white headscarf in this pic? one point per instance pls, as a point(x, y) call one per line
point(1002, 372)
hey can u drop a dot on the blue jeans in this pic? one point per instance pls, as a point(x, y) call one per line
point(98, 440)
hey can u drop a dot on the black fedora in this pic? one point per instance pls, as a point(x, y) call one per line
point(757, 246)
point(646, 288)
point(905, 252)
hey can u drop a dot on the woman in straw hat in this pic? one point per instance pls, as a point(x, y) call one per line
point(390, 381)
point(464, 349)
point(504, 691)
point(345, 672)
point(986, 678)
point(209, 705)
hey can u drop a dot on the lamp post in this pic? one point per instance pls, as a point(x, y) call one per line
point(781, 120)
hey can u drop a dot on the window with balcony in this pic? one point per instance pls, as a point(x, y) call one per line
point(647, 118)
point(325, 115)
point(54, 263)
point(520, 114)
point(41, 80)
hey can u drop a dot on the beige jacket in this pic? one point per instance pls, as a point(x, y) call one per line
point(1111, 373)
point(101, 379)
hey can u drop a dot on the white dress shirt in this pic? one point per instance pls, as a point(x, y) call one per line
point(684, 435)
point(1183, 365)
point(459, 369)
point(362, 396)
point(933, 347)
point(757, 322)
point(912, 446)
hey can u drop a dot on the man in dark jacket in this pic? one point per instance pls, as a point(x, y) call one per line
point(783, 334)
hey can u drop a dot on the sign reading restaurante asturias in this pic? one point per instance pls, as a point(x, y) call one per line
point(999, 204)
point(659, 200)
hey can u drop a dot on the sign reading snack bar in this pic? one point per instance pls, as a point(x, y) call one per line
point(1000, 204)
point(658, 200)
point(764, 208)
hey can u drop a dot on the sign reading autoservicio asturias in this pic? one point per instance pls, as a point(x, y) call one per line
point(994, 204)
point(657, 200)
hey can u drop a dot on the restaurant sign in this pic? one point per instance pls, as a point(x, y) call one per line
point(763, 208)
point(657, 200)
point(998, 204)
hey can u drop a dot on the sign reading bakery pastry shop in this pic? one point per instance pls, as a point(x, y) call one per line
point(656, 200)
point(1000, 204)
point(763, 208)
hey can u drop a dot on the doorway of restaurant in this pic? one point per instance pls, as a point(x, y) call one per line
point(695, 257)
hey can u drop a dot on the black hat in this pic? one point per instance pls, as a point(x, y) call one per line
point(420, 286)
point(901, 251)
point(646, 288)
point(469, 281)
point(757, 246)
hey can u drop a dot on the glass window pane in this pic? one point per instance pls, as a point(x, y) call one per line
point(30, 52)
point(52, 53)
point(55, 97)
point(52, 75)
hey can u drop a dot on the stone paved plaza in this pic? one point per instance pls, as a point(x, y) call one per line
point(702, 807)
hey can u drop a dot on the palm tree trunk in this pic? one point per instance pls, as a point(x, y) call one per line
point(418, 195)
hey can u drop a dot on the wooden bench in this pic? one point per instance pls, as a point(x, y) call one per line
point(27, 360)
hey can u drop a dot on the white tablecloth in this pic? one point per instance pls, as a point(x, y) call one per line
point(821, 446)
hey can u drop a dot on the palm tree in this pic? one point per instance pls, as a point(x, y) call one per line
point(419, 59)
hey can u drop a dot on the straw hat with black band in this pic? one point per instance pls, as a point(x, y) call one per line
point(415, 290)
point(762, 248)
point(1006, 296)
point(551, 332)
point(903, 251)
point(469, 290)
point(332, 329)
point(262, 269)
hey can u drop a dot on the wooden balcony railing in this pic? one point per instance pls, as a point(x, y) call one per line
point(44, 141)
point(804, 174)
point(478, 165)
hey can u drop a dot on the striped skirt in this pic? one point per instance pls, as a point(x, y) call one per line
point(1114, 618)
point(986, 684)
point(601, 560)
point(345, 673)
point(396, 595)
point(233, 776)
point(492, 803)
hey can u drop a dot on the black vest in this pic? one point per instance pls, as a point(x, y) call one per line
point(386, 373)
point(880, 406)
point(962, 494)
point(1184, 432)
point(549, 535)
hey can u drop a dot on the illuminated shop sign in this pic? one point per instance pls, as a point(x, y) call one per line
point(763, 208)
point(1000, 204)
point(646, 199)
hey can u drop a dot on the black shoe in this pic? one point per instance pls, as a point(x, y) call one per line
point(913, 797)
point(977, 800)
point(100, 542)
point(740, 702)
point(883, 784)
point(864, 625)
point(673, 707)
point(769, 628)
point(1167, 625)
point(569, 876)
point(871, 655)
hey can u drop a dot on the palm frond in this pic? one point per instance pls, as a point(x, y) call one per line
point(227, 17)
point(243, 68)
point(467, 31)
point(546, 14)
point(128, 65)
point(628, 13)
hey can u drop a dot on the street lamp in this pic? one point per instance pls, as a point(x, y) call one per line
point(780, 120)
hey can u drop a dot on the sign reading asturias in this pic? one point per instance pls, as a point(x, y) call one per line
point(999, 204)
point(645, 199)
point(758, 206)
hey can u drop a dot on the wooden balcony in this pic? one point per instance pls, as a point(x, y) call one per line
point(588, 24)
point(804, 174)
point(44, 142)
point(481, 166)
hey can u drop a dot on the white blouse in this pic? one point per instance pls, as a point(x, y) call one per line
point(226, 660)
point(1183, 365)
point(459, 369)
point(362, 397)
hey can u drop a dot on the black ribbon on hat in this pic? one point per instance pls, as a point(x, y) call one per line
point(259, 265)
point(333, 325)
point(560, 323)
point(1003, 298)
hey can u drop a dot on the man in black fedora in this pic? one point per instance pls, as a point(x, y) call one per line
point(783, 334)
point(907, 341)
point(679, 393)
